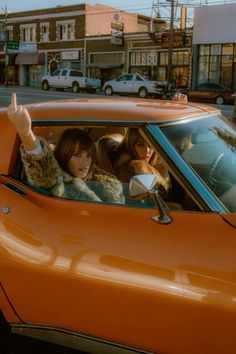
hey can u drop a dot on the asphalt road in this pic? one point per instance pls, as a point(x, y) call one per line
point(17, 344)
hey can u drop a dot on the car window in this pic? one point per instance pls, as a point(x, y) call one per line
point(51, 135)
point(217, 87)
point(211, 152)
point(139, 78)
point(202, 87)
point(64, 72)
point(56, 73)
point(125, 78)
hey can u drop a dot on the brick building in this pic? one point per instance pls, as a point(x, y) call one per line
point(56, 37)
point(98, 40)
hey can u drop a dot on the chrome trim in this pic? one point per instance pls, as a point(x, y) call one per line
point(14, 188)
point(74, 340)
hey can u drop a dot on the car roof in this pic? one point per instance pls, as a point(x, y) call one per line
point(119, 109)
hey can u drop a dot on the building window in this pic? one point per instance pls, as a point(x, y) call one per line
point(44, 32)
point(10, 33)
point(216, 64)
point(164, 58)
point(28, 33)
point(65, 31)
point(203, 69)
point(214, 71)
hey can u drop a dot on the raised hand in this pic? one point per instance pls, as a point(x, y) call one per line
point(19, 116)
point(181, 97)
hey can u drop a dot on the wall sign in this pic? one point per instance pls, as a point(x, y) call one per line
point(178, 40)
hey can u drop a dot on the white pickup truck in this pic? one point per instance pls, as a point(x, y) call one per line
point(132, 84)
point(71, 79)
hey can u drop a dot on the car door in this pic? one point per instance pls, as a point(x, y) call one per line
point(55, 78)
point(112, 272)
point(124, 84)
point(201, 93)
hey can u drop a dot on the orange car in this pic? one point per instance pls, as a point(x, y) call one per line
point(136, 277)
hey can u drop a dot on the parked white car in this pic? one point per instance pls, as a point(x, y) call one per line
point(71, 79)
point(130, 84)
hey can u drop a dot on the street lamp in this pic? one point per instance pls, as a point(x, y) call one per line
point(5, 44)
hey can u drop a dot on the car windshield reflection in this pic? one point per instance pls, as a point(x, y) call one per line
point(210, 149)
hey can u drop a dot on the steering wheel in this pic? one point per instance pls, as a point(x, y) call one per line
point(217, 178)
point(211, 177)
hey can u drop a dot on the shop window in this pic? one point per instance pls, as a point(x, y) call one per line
point(226, 70)
point(215, 49)
point(227, 49)
point(203, 69)
point(204, 50)
point(164, 58)
point(214, 72)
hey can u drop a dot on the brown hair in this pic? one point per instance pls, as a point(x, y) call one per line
point(128, 144)
point(66, 145)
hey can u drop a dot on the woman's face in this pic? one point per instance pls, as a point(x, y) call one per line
point(143, 150)
point(79, 163)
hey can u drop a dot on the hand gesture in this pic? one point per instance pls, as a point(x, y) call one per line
point(181, 97)
point(19, 116)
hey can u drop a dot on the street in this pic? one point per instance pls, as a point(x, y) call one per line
point(27, 95)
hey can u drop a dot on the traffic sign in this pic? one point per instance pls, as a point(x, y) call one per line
point(13, 45)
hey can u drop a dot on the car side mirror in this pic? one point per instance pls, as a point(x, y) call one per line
point(143, 186)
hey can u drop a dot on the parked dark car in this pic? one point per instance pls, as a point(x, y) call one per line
point(211, 92)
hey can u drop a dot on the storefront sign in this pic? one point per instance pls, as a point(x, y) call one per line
point(13, 45)
point(116, 41)
point(117, 28)
point(72, 55)
point(27, 47)
point(143, 58)
point(178, 40)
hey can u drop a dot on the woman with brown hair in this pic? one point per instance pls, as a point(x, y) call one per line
point(68, 172)
point(135, 156)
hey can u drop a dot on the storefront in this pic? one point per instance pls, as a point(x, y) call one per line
point(214, 45)
point(153, 63)
point(105, 66)
point(8, 71)
point(217, 63)
point(30, 66)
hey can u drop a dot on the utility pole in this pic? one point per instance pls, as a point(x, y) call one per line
point(6, 51)
point(171, 40)
point(5, 43)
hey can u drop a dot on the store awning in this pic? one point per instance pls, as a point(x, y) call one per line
point(105, 65)
point(30, 58)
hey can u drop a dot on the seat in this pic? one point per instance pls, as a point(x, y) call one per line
point(104, 147)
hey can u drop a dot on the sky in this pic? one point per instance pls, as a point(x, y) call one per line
point(140, 6)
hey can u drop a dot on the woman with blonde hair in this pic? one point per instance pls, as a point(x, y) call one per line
point(69, 171)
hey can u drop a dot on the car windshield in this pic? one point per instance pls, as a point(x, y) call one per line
point(209, 147)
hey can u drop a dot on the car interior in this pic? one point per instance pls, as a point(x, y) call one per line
point(105, 139)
